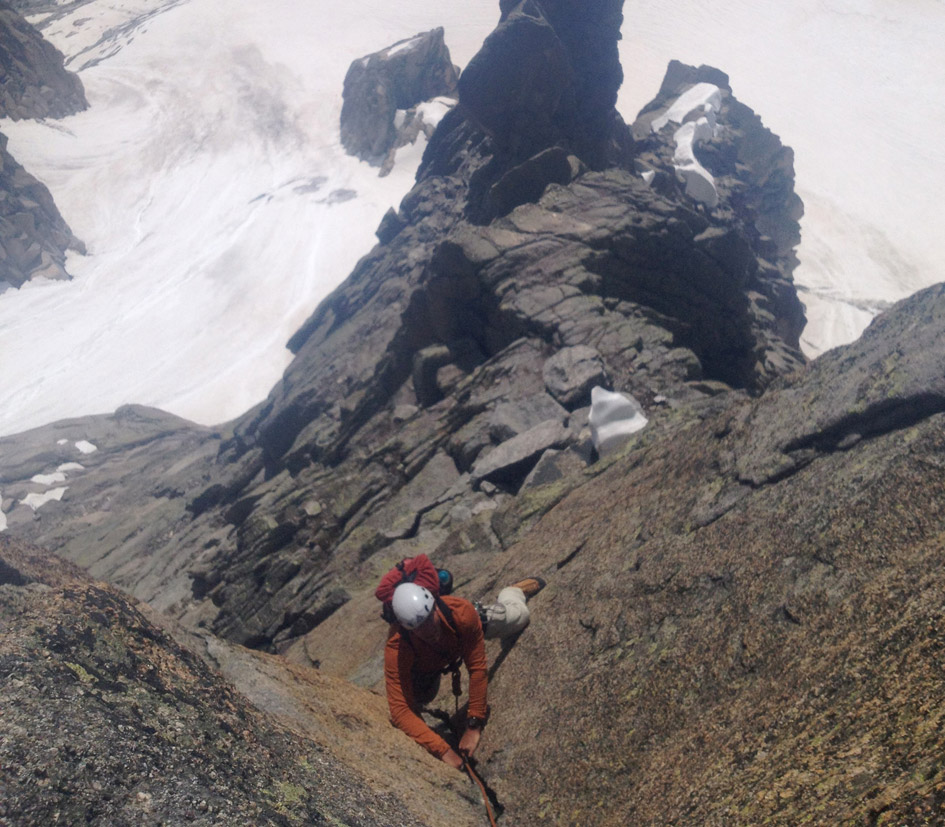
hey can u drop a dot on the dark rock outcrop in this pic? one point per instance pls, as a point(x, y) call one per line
point(33, 236)
point(33, 84)
point(399, 77)
point(549, 75)
point(33, 80)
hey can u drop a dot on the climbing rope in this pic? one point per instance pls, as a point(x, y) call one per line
point(485, 796)
point(467, 765)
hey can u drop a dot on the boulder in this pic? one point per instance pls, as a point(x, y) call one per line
point(572, 372)
point(509, 419)
point(510, 462)
point(394, 79)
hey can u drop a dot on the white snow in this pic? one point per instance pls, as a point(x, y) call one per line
point(700, 184)
point(70, 466)
point(433, 111)
point(37, 501)
point(3, 517)
point(614, 418)
point(705, 97)
point(48, 479)
point(201, 178)
point(86, 447)
point(406, 46)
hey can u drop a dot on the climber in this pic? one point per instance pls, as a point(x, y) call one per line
point(432, 635)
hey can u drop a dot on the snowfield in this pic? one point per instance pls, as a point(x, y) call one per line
point(208, 181)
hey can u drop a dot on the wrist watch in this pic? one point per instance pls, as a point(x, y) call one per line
point(475, 723)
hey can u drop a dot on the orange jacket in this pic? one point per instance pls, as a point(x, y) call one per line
point(402, 658)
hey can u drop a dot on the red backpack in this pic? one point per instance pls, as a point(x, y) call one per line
point(417, 570)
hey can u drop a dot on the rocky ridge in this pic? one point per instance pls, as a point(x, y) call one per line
point(34, 238)
point(458, 357)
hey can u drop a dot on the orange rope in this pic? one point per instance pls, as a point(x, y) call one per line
point(485, 797)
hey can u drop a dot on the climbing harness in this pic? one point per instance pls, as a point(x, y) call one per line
point(467, 765)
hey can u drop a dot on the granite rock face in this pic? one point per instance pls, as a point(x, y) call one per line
point(111, 718)
point(549, 75)
point(750, 600)
point(33, 84)
point(394, 80)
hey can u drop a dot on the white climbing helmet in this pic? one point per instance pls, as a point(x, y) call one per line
point(412, 605)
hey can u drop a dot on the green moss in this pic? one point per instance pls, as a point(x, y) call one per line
point(81, 674)
point(286, 796)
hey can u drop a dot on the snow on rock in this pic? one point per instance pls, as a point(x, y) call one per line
point(403, 46)
point(86, 447)
point(37, 501)
point(49, 479)
point(614, 417)
point(70, 466)
point(3, 517)
point(432, 111)
point(707, 99)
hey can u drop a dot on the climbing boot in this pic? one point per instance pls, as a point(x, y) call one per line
point(530, 586)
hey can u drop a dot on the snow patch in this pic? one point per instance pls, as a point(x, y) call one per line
point(704, 98)
point(699, 182)
point(3, 517)
point(70, 466)
point(613, 419)
point(48, 479)
point(404, 46)
point(86, 447)
point(37, 501)
point(432, 111)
